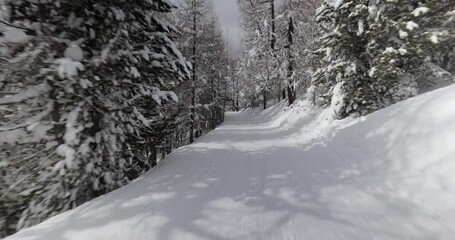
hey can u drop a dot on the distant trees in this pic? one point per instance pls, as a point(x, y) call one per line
point(279, 39)
point(261, 64)
point(201, 40)
point(299, 35)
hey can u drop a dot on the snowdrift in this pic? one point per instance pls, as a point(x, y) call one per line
point(290, 173)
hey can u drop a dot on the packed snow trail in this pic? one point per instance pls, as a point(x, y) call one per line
point(290, 175)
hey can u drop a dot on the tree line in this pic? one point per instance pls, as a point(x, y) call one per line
point(354, 56)
point(94, 93)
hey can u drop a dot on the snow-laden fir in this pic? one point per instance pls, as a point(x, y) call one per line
point(94, 93)
point(290, 173)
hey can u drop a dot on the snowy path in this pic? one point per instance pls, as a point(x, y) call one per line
point(250, 179)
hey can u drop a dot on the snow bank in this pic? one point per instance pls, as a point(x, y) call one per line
point(411, 147)
point(290, 173)
point(414, 139)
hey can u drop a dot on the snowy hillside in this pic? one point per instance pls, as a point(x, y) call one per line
point(290, 174)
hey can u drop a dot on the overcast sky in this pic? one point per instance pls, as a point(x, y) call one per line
point(229, 16)
point(230, 19)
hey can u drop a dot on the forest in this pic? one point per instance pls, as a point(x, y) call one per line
point(95, 93)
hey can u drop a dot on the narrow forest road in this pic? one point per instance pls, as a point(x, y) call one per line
point(250, 179)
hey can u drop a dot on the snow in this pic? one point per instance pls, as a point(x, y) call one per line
point(68, 152)
point(29, 93)
point(403, 34)
point(158, 96)
point(290, 173)
point(434, 39)
point(402, 51)
point(71, 128)
point(420, 11)
point(119, 14)
point(135, 72)
point(14, 35)
point(372, 72)
point(335, 3)
point(337, 101)
point(411, 25)
point(68, 68)
point(74, 52)
point(389, 50)
point(361, 28)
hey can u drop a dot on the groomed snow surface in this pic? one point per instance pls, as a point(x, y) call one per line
point(290, 174)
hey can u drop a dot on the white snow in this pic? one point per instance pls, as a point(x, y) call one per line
point(30, 92)
point(14, 35)
point(411, 25)
point(335, 3)
point(68, 68)
point(372, 72)
point(74, 52)
point(292, 174)
point(402, 51)
point(68, 152)
point(420, 10)
point(434, 39)
point(361, 28)
point(337, 101)
point(390, 50)
point(158, 96)
point(403, 34)
point(135, 72)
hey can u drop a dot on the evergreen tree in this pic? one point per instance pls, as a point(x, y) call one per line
point(376, 52)
point(87, 85)
point(344, 82)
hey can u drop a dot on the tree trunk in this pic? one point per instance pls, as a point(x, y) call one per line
point(272, 13)
point(290, 73)
point(193, 83)
point(264, 94)
point(237, 105)
point(58, 127)
point(152, 157)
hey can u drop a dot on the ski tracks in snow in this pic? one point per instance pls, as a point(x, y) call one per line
point(257, 177)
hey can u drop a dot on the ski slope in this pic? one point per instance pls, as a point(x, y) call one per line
point(292, 174)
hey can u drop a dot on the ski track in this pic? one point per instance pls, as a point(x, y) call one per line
point(250, 179)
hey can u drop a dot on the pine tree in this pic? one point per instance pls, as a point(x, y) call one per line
point(93, 81)
point(344, 83)
point(376, 52)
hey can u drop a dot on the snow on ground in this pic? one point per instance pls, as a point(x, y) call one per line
point(290, 174)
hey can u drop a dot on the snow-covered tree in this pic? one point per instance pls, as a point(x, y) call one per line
point(84, 85)
point(262, 63)
point(344, 82)
point(279, 38)
point(297, 34)
point(201, 41)
point(374, 53)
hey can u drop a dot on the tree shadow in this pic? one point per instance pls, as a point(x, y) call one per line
point(218, 188)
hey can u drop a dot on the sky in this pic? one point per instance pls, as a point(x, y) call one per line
point(229, 16)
